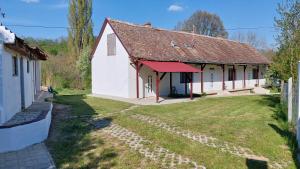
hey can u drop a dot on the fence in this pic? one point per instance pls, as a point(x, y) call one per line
point(289, 98)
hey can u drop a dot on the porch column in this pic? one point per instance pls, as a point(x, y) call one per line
point(171, 85)
point(202, 83)
point(258, 76)
point(223, 77)
point(233, 81)
point(245, 67)
point(137, 79)
point(157, 87)
point(191, 90)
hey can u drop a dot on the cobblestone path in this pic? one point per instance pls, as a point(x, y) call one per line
point(210, 141)
point(145, 147)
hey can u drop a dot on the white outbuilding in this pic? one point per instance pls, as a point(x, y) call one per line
point(139, 61)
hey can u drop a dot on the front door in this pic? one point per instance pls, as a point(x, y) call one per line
point(149, 86)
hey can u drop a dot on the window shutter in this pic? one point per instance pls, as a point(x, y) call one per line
point(111, 44)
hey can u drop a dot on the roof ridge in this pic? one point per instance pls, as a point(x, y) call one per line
point(182, 32)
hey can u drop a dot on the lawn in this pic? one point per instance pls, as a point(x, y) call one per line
point(254, 122)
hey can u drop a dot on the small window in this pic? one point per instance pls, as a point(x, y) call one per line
point(111, 44)
point(28, 66)
point(255, 73)
point(185, 77)
point(15, 66)
point(230, 74)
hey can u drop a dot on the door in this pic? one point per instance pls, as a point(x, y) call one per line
point(149, 86)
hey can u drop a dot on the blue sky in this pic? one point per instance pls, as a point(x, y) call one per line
point(161, 13)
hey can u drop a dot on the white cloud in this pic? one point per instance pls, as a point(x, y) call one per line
point(60, 6)
point(31, 1)
point(175, 8)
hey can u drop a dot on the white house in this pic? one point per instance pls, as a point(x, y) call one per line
point(19, 74)
point(138, 61)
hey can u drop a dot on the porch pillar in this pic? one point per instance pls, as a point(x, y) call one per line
point(233, 81)
point(137, 79)
point(191, 90)
point(202, 83)
point(223, 77)
point(157, 87)
point(258, 76)
point(171, 85)
point(245, 67)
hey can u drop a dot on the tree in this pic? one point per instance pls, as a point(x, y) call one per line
point(81, 36)
point(285, 62)
point(250, 38)
point(81, 26)
point(204, 23)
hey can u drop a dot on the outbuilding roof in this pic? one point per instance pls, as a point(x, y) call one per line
point(147, 43)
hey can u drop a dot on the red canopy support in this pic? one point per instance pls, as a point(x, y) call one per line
point(157, 87)
point(191, 90)
point(137, 65)
point(202, 83)
point(171, 85)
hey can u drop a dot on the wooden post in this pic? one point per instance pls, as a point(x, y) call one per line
point(245, 67)
point(202, 83)
point(137, 79)
point(298, 102)
point(171, 85)
point(157, 87)
point(290, 99)
point(223, 77)
point(233, 81)
point(191, 90)
point(258, 76)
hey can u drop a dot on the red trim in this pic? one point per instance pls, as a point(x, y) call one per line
point(191, 90)
point(157, 87)
point(137, 79)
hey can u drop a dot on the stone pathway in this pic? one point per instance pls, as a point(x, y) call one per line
point(33, 157)
point(153, 152)
point(210, 141)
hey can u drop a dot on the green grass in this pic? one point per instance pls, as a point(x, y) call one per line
point(255, 122)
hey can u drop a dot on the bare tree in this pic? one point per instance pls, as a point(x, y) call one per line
point(204, 23)
point(250, 38)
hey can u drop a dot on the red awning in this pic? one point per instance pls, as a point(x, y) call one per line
point(170, 66)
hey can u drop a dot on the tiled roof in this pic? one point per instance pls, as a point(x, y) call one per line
point(148, 43)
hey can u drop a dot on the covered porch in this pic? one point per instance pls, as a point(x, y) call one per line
point(162, 69)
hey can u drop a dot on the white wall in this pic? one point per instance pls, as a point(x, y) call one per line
point(19, 137)
point(1, 85)
point(28, 82)
point(110, 74)
point(11, 87)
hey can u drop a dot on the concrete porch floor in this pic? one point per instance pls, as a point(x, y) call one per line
point(169, 100)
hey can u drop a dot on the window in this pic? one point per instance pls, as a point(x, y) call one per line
point(28, 66)
point(111, 44)
point(230, 74)
point(185, 77)
point(15, 66)
point(255, 73)
point(149, 87)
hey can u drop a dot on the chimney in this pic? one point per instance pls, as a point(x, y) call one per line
point(148, 24)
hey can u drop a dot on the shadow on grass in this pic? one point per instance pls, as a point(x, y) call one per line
point(282, 127)
point(71, 143)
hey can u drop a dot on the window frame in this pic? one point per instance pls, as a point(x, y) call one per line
point(15, 66)
point(111, 40)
